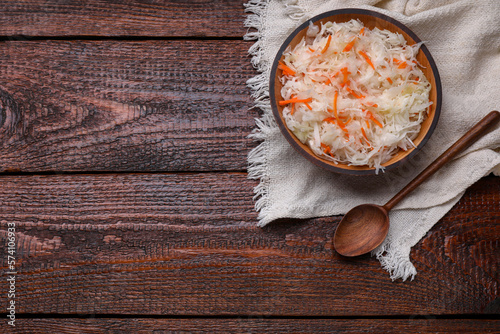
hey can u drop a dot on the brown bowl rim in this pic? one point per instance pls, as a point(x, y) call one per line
point(319, 161)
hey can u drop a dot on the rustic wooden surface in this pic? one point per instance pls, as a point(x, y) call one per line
point(125, 106)
point(123, 144)
point(258, 325)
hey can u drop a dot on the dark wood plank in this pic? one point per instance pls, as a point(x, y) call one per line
point(256, 325)
point(188, 245)
point(125, 106)
point(218, 18)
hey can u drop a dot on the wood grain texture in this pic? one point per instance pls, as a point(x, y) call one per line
point(170, 244)
point(135, 106)
point(218, 18)
point(255, 325)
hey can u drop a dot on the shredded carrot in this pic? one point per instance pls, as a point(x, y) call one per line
point(354, 94)
point(376, 122)
point(311, 49)
point(308, 106)
point(346, 73)
point(370, 104)
point(402, 65)
point(349, 45)
point(292, 110)
point(339, 122)
point(368, 60)
point(348, 121)
point(294, 100)
point(335, 104)
point(326, 148)
point(285, 69)
point(367, 124)
point(390, 80)
point(370, 115)
point(327, 45)
point(341, 125)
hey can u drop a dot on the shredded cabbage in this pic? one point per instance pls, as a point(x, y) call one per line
point(355, 96)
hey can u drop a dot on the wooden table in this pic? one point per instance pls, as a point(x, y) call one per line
point(123, 146)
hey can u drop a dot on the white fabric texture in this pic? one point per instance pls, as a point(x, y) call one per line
point(464, 40)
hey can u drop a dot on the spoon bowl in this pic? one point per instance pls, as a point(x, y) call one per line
point(362, 229)
point(365, 226)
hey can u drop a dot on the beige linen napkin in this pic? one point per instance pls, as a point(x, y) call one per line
point(464, 39)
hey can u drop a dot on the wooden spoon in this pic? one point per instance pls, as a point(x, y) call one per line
point(365, 227)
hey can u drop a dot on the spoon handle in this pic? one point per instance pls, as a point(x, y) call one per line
point(470, 137)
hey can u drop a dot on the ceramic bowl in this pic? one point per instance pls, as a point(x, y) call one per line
point(370, 19)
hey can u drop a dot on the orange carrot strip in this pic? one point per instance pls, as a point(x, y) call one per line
point(341, 125)
point(293, 109)
point(349, 45)
point(354, 94)
point(326, 148)
point(285, 68)
point(402, 65)
point(308, 106)
point(362, 31)
point(368, 60)
point(311, 49)
point(367, 124)
point(294, 100)
point(339, 122)
point(376, 122)
point(396, 61)
point(389, 79)
point(370, 104)
point(327, 45)
point(346, 73)
point(370, 115)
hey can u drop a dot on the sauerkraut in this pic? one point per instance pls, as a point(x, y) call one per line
point(354, 95)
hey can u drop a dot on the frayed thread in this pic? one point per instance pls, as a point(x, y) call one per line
point(254, 23)
point(257, 157)
point(394, 261)
point(257, 161)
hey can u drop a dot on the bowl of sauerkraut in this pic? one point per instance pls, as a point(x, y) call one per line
point(355, 91)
